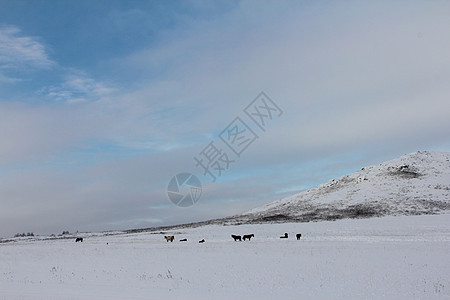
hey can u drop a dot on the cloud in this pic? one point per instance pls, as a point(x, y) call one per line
point(346, 77)
point(77, 86)
point(358, 84)
point(20, 53)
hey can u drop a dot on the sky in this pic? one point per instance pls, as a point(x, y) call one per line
point(102, 103)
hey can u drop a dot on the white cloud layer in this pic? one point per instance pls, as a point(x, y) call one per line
point(19, 53)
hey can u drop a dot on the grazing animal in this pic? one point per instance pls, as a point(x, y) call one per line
point(183, 240)
point(78, 240)
point(248, 236)
point(236, 237)
point(169, 238)
point(298, 235)
point(285, 236)
point(202, 241)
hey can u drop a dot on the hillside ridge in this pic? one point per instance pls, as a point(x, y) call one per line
point(413, 184)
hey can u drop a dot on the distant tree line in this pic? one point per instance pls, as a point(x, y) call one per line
point(24, 234)
point(32, 234)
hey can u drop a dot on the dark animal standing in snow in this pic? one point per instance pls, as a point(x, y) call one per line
point(78, 240)
point(248, 236)
point(202, 241)
point(169, 238)
point(298, 235)
point(285, 236)
point(236, 237)
point(183, 240)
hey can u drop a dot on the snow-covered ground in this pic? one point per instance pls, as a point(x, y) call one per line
point(399, 257)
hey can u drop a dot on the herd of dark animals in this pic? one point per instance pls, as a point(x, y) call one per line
point(285, 236)
point(171, 238)
point(244, 237)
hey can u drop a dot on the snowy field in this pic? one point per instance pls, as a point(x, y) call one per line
point(380, 258)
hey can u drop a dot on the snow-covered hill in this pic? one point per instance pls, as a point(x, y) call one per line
point(414, 184)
